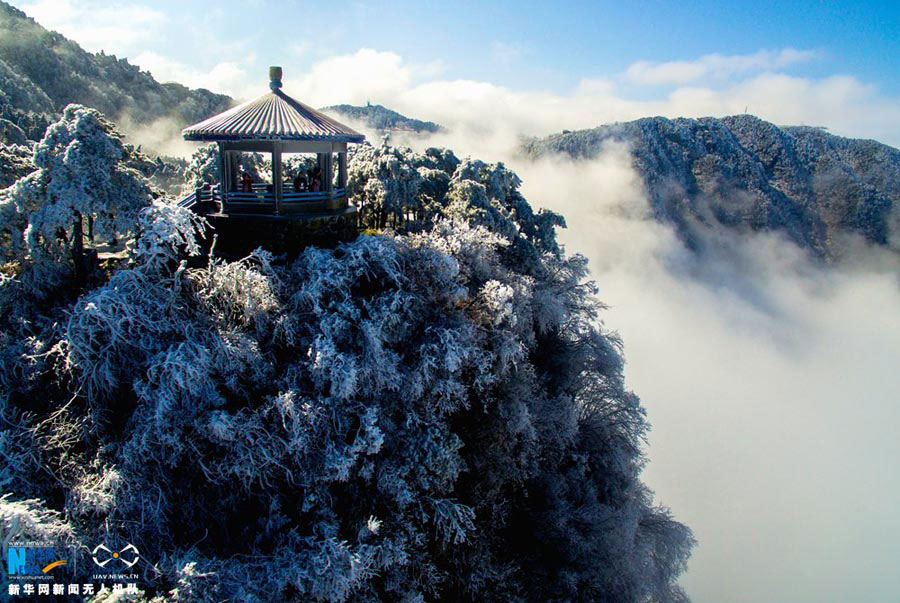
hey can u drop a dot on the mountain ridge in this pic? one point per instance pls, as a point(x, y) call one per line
point(744, 173)
point(42, 71)
point(384, 120)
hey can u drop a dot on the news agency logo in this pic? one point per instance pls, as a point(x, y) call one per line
point(127, 556)
point(31, 561)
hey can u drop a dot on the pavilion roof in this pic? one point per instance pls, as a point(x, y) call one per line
point(273, 116)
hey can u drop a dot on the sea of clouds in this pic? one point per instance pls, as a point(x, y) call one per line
point(772, 385)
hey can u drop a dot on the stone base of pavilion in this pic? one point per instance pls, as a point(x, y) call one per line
point(238, 235)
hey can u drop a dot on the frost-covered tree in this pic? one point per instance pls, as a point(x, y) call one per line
point(15, 162)
point(398, 186)
point(497, 200)
point(297, 164)
point(436, 415)
point(383, 183)
point(432, 196)
point(82, 188)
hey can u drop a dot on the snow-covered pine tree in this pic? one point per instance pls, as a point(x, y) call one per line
point(81, 188)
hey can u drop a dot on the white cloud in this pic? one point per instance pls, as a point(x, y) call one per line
point(489, 119)
point(429, 69)
point(115, 28)
point(355, 78)
point(229, 77)
point(842, 103)
point(713, 66)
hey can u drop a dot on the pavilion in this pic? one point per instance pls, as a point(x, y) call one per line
point(277, 124)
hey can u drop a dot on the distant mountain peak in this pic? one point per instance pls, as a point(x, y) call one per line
point(742, 172)
point(383, 119)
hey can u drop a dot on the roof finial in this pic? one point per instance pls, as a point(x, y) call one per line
point(275, 74)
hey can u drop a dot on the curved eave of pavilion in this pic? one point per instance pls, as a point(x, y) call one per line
point(272, 117)
point(206, 137)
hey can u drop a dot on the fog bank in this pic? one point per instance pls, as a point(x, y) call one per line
point(772, 386)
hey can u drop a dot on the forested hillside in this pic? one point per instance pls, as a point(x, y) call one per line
point(42, 71)
point(382, 119)
point(744, 173)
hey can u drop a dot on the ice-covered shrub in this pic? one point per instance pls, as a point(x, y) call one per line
point(168, 233)
point(31, 520)
point(113, 326)
point(405, 417)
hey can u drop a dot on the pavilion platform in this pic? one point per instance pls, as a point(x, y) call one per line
point(246, 221)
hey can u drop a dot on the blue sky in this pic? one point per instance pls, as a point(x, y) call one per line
point(564, 42)
point(550, 45)
point(532, 68)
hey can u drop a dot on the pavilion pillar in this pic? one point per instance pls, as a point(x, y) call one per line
point(329, 172)
point(342, 169)
point(225, 180)
point(320, 162)
point(228, 179)
point(223, 175)
point(234, 161)
point(277, 180)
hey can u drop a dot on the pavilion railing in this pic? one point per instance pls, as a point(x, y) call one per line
point(199, 196)
point(313, 196)
point(188, 201)
point(261, 199)
point(264, 195)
